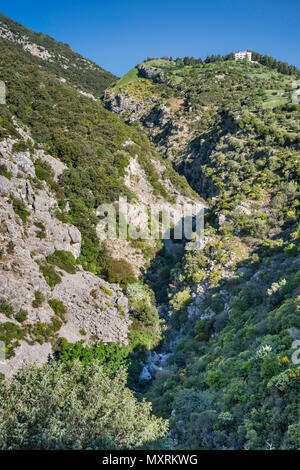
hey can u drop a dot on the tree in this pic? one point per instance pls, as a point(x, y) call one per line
point(74, 407)
point(269, 367)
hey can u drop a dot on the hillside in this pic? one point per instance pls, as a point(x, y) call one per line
point(63, 154)
point(231, 128)
point(57, 58)
point(117, 326)
point(65, 295)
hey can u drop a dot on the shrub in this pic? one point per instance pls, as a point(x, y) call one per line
point(198, 276)
point(43, 170)
point(110, 356)
point(220, 321)
point(269, 367)
point(42, 232)
point(38, 299)
point(277, 291)
point(19, 146)
point(214, 377)
point(51, 276)
point(10, 331)
point(9, 334)
point(57, 307)
point(55, 325)
point(21, 316)
point(64, 260)
point(290, 250)
point(202, 330)
point(6, 308)
point(272, 246)
point(239, 306)
point(286, 316)
point(4, 172)
point(20, 208)
point(181, 300)
point(120, 271)
point(293, 436)
point(296, 279)
point(136, 291)
point(253, 294)
point(217, 303)
point(145, 331)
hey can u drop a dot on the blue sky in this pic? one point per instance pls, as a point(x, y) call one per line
point(118, 34)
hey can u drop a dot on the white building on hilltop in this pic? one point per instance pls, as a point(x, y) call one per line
point(240, 55)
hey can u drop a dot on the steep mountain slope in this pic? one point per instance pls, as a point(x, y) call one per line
point(44, 295)
point(183, 107)
point(62, 155)
point(223, 320)
point(58, 58)
point(233, 130)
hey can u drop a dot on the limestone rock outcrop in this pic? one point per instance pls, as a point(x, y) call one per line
point(30, 232)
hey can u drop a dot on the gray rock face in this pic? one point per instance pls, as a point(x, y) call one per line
point(145, 375)
point(23, 160)
point(126, 103)
point(221, 219)
point(154, 362)
point(95, 308)
point(26, 354)
point(152, 73)
point(158, 117)
point(132, 107)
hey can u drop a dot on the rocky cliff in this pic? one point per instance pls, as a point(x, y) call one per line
point(62, 155)
point(44, 294)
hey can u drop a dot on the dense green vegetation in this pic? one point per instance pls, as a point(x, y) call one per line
point(86, 137)
point(110, 356)
point(63, 260)
point(10, 334)
point(282, 67)
point(231, 382)
point(89, 140)
point(68, 409)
